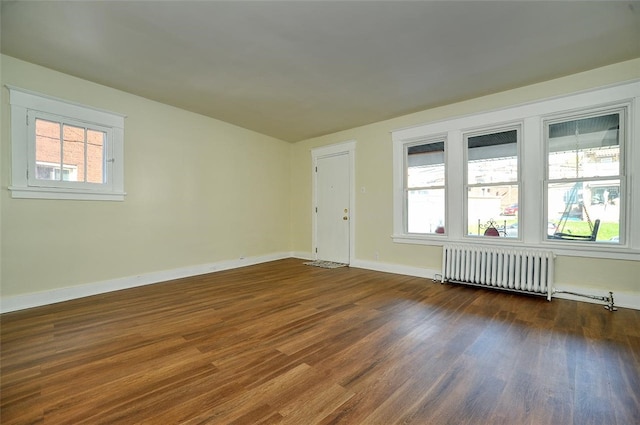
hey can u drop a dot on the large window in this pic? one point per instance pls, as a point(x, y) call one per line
point(492, 183)
point(425, 187)
point(554, 174)
point(585, 176)
point(62, 150)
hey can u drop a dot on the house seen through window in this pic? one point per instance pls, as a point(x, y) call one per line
point(64, 150)
point(492, 183)
point(69, 153)
point(584, 177)
point(555, 174)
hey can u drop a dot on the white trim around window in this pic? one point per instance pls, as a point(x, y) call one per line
point(26, 108)
point(428, 184)
point(531, 119)
point(500, 181)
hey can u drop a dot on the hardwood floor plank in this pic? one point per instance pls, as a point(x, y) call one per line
point(285, 343)
point(313, 406)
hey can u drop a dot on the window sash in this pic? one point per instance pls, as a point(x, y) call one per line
point(33, 181)
point(579, 208)
point(478, 147)
point(430, 155)
point(598, 137)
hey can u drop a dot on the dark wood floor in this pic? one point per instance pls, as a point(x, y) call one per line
point(285, 343)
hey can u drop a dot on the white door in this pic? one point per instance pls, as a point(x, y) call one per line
point(333, 216)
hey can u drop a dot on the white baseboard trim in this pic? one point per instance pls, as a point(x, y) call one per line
point(395, 268)
point(21, 302)
point(623, 299)
point(303, 255)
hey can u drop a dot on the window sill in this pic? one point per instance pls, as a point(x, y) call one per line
point(421, 239)
point(61, 193)
point(558, 248)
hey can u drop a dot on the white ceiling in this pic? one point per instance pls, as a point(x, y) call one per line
point(298, 69)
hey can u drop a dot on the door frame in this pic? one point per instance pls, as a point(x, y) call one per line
point(348, 147)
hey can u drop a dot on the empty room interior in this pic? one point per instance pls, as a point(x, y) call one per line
point(309, 212)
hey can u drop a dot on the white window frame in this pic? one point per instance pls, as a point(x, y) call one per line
point(532, 222)
point(517, 126)
point(405, 202)
point(623, 111)
point(26, 107)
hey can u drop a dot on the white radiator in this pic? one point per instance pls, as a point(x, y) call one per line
point(529, 271)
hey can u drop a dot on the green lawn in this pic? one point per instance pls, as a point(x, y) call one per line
point(605, 233)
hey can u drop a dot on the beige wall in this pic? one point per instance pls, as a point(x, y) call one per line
point(374, 209)
point(202, 191)
point(199, 190)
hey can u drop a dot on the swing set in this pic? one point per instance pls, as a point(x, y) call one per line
point(579, 210)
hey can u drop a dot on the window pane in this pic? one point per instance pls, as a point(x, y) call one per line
point(493, 207)
point(425, 182)
point(575, 208)
point(587, 147)
point(493, 157)
point(48, 150)
point(425, 211)
point(95, 156)
point(73, 153)
point(425, 165)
